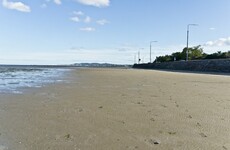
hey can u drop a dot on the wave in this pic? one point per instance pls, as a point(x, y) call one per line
point(13, 79)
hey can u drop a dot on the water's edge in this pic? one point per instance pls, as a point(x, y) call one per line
point(15, 78)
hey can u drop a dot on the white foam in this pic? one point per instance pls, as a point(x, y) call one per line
point(12, 79)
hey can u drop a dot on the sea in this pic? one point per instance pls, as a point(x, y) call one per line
point(13, 79)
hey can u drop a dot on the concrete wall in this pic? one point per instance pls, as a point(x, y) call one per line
point(220, 65)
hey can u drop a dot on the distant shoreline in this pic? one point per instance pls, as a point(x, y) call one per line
point(80, 65)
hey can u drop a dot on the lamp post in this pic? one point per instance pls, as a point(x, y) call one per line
point(188, 38)
point(135, 59)
point(139, 57)
point(151, 50)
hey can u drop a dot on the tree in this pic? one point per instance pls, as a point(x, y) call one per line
point(178, 56)
point(195, 52)
point(165, 58)
point(218, 55)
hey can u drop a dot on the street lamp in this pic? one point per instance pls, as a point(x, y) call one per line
point(135, 58)
point(188, 38)
point(151, 50)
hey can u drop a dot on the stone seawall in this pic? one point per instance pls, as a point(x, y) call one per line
point(220, 65)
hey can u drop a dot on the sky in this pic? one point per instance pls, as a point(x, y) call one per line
point(108, 31)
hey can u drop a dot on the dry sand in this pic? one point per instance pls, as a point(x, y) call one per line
point(115, 109)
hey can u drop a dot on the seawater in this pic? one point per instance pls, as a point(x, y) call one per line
point(14, 78)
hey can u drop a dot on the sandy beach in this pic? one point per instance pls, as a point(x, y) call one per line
point(120, 109)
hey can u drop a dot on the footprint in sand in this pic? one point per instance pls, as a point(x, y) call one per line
point(164, 106)
point(123, 95)
point(80, 110)
point(153, 142)
point(202, 135)
point(198, 124)
point(160, 131)
point(67, 136)
point(132, 147)
point(152, 119)
point(172, 133)
point(121, 121)
point(139, 103)
point(154, 96)
point(176, 104)
point(190, 117)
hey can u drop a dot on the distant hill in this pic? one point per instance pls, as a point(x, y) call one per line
point(101, 65)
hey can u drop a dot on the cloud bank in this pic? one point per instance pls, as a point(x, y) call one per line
point(212, 28)
point(78, 13)
point(75, 19)
point(97, 3)
point(87, 19)
point(219, 42)
point(102, 22)
point(88, 29)
point(58, 2)
point(19, 6)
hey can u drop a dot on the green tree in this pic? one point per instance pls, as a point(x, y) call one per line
point(218, 55)
point(164, 58)
point(177, 56)
point(195, 52)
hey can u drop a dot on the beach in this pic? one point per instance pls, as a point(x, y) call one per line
point(119, 109)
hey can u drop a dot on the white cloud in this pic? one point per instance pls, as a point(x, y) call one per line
point(87, 19)
point(79, 16)
point(78, 13)
point(219, 42)
point(19, 6)
point(212, 28)
point(75, 19)
point(58, 2)
point(102, 22)
point(97, 3)
point(88, 29)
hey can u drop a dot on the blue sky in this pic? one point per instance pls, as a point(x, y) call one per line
point(113, 31)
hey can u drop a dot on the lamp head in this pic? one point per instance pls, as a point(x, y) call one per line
point(153, 41)
point(193, 25)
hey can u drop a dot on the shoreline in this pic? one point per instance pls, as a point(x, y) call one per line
point(16, 79)
point(119, 109)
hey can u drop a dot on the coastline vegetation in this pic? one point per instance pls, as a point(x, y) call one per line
point(195, 53)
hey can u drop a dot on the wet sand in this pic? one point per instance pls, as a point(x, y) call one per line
point(120, 109)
